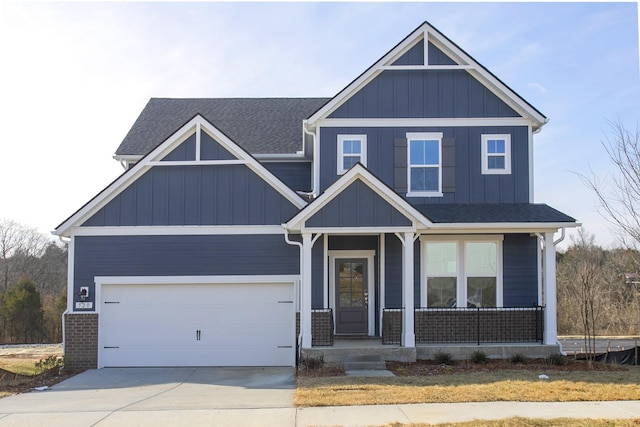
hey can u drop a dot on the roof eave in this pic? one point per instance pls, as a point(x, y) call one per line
point(497, 227)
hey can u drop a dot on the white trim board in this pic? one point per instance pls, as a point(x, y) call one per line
point(153, 157)
point(176, 230)
point(428, 33)
point(425, 122)
point(359, 172)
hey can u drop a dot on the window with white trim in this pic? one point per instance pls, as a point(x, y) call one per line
point(462, 271)
point(351, 150)
point(496, 154)
point(424, 164)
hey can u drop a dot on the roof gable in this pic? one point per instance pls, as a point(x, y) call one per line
point(438, 54)
point(177, 151)
point(358, 205)
point(336, 208)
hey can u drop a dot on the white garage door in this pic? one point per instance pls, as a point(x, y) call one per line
point(197, 325)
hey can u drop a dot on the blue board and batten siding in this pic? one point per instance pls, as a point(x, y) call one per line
point(471, 186)
point(210, 149)
point(421, 94)
point(196, 195)
point(415, 56)
point(520, 269)
point(296, 175)
point(358, 206)
point(201, 255)
point(424, 93)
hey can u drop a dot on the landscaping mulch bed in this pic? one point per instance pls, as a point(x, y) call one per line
point(430, 367)
point(11, 383)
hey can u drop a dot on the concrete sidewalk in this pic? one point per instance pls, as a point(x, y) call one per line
point(434, 413)
point(244, 397)
point(328, 416)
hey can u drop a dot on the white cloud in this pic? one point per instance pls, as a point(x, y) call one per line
point(538, 87)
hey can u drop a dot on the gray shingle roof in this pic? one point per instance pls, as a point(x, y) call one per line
point(259, 125)
point(490, 213)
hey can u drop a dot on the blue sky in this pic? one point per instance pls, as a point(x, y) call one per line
point(75, 76)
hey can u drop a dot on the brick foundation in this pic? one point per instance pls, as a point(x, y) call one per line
point(80, 341)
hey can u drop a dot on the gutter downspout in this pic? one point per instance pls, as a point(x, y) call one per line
point(314, 160)
point(561, 238)
point(299, 244)
point(66, 311)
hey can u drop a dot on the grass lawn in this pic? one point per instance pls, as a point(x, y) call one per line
point(527, 422)
point(471, 386)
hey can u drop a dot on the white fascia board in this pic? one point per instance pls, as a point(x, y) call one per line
point(369, 74)
point(429, 34)
point(359, 172)
point(274, 157)
point(179, 230)
point(485, 227)
point(252, 163)
point(129, 158)
point(358, 230)
point(426, 122)
point(126, 179)
point(496, 86)
point(104, 197)
point(192, 280)
point(154, 157)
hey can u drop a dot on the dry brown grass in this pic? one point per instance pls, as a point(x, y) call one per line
point(19, 365)
point(501, 385)
point(528, 422)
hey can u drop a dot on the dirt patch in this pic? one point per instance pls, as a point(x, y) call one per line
point(22, 358)
point(324, 370)
point(430, 367)
point(11, 383)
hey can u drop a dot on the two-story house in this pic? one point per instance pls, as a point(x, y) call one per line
point(245, 230)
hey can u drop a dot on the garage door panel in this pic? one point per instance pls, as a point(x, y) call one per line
point(197, 325)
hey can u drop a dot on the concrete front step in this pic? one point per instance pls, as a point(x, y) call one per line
point(364, 362)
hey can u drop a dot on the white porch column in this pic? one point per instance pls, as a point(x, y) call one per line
point(550, 321)
point(408, 329)
point(305, 292)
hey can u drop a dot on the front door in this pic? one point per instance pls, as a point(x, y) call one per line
point(352, 296)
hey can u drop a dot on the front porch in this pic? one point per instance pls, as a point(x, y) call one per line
point(498, 332)
point(345, 349)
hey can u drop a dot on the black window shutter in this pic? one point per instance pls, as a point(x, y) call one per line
point(400, 165)
point(448, 165)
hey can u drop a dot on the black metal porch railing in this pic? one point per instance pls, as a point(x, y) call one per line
point(321, 326)
point(392, 325)
point(468, 325)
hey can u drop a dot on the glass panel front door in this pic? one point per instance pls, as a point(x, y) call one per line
point(352, 298)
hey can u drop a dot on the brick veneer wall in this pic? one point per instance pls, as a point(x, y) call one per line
point(321, 327)
point(80, 341)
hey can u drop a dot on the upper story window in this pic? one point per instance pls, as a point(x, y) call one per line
point(496, 154)
point(424, 165)
point(351, 150)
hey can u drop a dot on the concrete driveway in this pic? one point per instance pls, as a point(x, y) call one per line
point(159, 396)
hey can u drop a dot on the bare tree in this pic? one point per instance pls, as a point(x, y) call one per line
point(18, 242)
point(619, 194)
point(583, 285)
